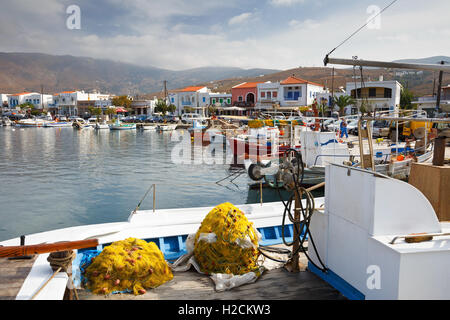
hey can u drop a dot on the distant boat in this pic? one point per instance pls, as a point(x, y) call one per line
point(101, 126)
point(57, 124)
point(6, 121)
point(30, 123)
point(148, 128)
point(167, 127)
point(121, 126)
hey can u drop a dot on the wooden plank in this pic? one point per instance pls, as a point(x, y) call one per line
point(434, 183)
point(12, 275)
point(277, 284)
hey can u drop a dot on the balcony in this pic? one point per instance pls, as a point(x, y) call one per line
point(186, 103)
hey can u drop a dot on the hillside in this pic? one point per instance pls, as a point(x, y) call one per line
point(28, 71)
point(420, 84)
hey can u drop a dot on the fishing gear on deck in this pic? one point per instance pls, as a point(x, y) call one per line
point(293, 177)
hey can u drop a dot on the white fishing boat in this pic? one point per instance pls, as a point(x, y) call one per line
point(30, 123)
point(148, 127)
point(6, 122)
point(167, 127)
point(118, 125)
point(101, 126)
point(157, 226)
point(57, 124)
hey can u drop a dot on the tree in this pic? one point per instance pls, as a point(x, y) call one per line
point(161, 107)
point(122, 101)
point(171, 108)
point(110, 112)
point(95, 111)
point(406, 98)
point(342, 102)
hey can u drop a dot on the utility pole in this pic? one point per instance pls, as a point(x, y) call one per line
point(165, 90)
point(438, 98)
point(42, 97)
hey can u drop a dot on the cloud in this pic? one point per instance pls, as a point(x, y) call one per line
point(177, 34)
point(285, 3)
point(244, 17)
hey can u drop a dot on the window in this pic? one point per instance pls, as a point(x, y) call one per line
point(228, 100)
point(204, 99)
point(263, 94)
point(240, 99)
point(269, 95)
point(274, 94)
point(214, 101)
point(372, 92)
point(173, 100)
point(387, 93)
point(221, 100)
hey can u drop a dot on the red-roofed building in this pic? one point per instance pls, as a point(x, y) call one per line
point(245, 94)
point(190, 99)
point(289, 93)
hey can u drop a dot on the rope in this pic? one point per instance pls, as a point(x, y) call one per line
point(59, 261)
point(64, 262)
point(369, 21)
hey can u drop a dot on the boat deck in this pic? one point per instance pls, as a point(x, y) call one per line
point(275, 284)
point(12, 275)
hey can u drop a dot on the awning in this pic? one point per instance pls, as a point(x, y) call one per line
point(119, 109)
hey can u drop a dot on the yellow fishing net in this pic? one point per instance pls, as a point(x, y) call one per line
point(227, 242)
point(128, 265)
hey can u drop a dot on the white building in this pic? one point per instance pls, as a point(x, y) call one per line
point(193, 97)
point(428, 103)
point(67, 102)
point(40, 101)
point(3, 98)
point(290, 93)
point(220, 99)
point(380, 95)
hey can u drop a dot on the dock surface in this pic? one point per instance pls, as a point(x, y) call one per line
point(275, 284)
point(12, 275)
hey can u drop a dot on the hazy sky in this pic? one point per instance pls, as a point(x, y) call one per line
point(182, 34)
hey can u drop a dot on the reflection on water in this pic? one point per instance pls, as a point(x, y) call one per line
point(60, 177)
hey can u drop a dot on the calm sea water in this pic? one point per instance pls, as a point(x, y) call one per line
point(59, 177)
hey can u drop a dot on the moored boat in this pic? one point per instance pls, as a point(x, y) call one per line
point(118, 125)
point(167, 127)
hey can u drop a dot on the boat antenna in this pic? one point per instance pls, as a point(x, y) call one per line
point(359, 29)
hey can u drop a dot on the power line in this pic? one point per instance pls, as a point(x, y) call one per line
point(348, 38)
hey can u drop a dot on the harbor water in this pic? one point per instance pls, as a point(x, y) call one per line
point(54, 178)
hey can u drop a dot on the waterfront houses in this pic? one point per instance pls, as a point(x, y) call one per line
point(245, 94)
point(38, 100)
point(192, 99)
point(379, 95)
point(76, 103)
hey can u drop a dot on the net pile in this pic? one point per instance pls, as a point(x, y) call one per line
point(227, 243)
point(130, 265)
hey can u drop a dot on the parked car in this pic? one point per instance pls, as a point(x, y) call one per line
point(380, 129)
point(190, 117)
point(171, 119)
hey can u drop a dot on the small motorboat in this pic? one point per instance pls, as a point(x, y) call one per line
point(6, 121)
point(57, 124)
point(101, 126)
point(167, 127)
point(30, 123)
point(121, 126)
point(80, 125)
point(148, 128)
